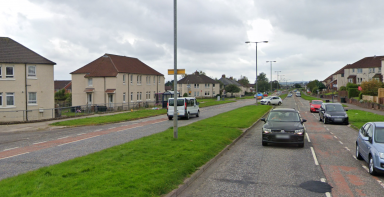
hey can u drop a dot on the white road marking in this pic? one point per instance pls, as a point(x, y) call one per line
point(63, 137)
point(14, 155)
point(335, 136)
point(78, 140)
point(81, 133)
point(97, 130)
point(380, 182)
point(347, 148)
point(341, 142)
point(309, 140)
point(112, 128)
point(366, 168)
point(39, 142)
point(327, 128)
point(331, 133)
point(314, 156)
point(354, 157)
point(326, 193)
point(10, 148)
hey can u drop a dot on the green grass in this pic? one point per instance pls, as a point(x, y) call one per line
point(283, 96)
point(358, 118)
point(111, 118)
point(309, 98)
point(149, 166)
point(211, 102)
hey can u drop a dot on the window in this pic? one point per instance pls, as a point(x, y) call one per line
point(138, 93)
point(373, 70)
point(196, 85)
point(32, 98)
point(1, 76)
point(90, 82)
point(213, 92)
point(138, 79)
point(359, 70)
point(10, 99)
point(213, 85)
point(131, 79)
point(149, 80)
point(31, 71)
point(124, 97)
point(353, 70)
point(342, 75)
point(207, 85)
point(377, 71)
point(154, 94)
point(1, 99)
point(154, 79)
point(9, 72)
point(131, 96)
point(123, 79)
point(159, 80)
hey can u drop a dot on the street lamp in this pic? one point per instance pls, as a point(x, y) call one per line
point(280, 79)
point(271, 73)
point(277, 78)
point(248, 42)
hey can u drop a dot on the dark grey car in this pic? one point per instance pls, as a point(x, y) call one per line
point(283, 125)
point(333, 113)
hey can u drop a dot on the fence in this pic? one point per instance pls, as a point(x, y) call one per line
point(18, 116)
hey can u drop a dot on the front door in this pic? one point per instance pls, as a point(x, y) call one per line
point(89, 100)
point(110, 100)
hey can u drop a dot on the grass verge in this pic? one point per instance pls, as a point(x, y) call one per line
point(358, 118)
point(149, 166)
point(211, 102)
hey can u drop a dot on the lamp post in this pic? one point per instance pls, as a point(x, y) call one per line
point(271, 73)
point(175, 130)
point(277, 78)
point(247, 42)
point(280, 79)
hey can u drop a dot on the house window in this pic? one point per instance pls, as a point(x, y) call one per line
point(378, 71)
point(342, 75)
point(359, 70)
point(10, 99)
point(213, 85)
point(9, 72)
point(124, 97)
point(31, 71)
point(138, 79)
point(207, 85)
point(159, 80)
point(196, 85)
point(131, 96)
point(1, 76)
point(154, 79)
point(149, 79)
point(90, 82)
point(131, 79)
point(373, 69)
point(138, 94)
point(213, 92)
point(1, 99)
point(353, 70)
point(123, 79)
point(32, 98)
point(154, 94)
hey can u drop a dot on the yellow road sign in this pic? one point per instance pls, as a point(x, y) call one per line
point(179, 71)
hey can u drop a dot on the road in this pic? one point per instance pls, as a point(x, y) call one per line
point(327, 159)
point(23, 151)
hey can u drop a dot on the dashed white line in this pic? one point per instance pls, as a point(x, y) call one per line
point(340, 142)
point(380, 182)
point(314, 156)
point(347, 148)
point(97, 130)
point(39, 142)
point(331, 133)
point(14, 155)
point(327, 128)
point(81, 133)
point(78, 140)
point(10, 148)
point(354, 157)
point(309, 140)
point(366, 168)
point(62, 137)
point(335, 136)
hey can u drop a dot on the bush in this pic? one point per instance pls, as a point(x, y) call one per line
point(353, 92)
point(352, 85)
point(343, 88)
point(184, 95)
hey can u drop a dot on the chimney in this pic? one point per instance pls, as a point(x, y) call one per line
point(196, 73)
point(231, 78)
point(222, 76)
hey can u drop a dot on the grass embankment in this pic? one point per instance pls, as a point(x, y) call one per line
point(310, 98)
point(358, 118)
point(283, 96)
point(149, 166)
point(211, 102)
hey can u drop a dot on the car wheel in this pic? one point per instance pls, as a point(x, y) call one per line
point(187, 117)
point(320, 118)
point(279, 103)
point(358, 156)
point(324, 120)
point(269, 103)
point(170, 117)
point(264, 143)
point(198, 113)
point(371, 166)
point(301, 145)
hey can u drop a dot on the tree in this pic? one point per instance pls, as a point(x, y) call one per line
point(60, 95)
point(244, 81)
point(169, 83)
point(371, 87)
point(262, 83)
point(185, 95)
point(275, 85)
point(297, 85)
point(232, 88)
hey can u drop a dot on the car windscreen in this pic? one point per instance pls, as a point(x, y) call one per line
point(282, 116)
point(317, 102)
point(268, 98)
point(379, 135)
point(180, 102)
point(335, 108)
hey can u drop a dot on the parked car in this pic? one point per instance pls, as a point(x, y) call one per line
point(315, 105)
point(271, 100)
point(370, 146)
point(298, 94)
point(333, 113)
point(283, 125)
point(289, 95)
point(186, 106)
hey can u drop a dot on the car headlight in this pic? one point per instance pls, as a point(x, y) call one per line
point(266, 130)
point(312, 106)
point(328, 115)
point(299, 131)
point(381, 155)
point(346, 115)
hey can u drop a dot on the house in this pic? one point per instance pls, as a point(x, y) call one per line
point(198, 85)
point(26, 83)
point(364, 70)
point(63, 84)
point(115, 80)
point(228, 81)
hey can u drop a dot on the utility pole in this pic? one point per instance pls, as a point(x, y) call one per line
point(277, 78)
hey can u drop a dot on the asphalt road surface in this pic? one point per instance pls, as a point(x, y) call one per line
point(24, 151)
point(326, 161)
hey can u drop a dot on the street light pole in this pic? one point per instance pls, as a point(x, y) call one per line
point(277, 77)
point(175, 116)
point(280, 79)
point(271, 74)
point(247, 42)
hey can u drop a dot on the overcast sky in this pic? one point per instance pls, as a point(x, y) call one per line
point(309, 39)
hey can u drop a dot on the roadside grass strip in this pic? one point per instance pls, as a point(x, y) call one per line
point(283, 96)
point(309, 98)
point(357, 118)
point(149, 166)
point(211, 102)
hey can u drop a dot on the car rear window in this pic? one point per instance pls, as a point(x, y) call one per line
point(180, 102)
point(317, 102)
point(379, 135)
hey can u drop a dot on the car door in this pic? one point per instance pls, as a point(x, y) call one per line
point(193, 106)
point(361, 140)
point(366, 145)
point(275, 100)
point(321, 112)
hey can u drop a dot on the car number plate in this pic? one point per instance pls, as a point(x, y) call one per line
point(338, 119)
point(282, 136)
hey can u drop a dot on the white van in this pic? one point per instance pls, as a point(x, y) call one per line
point(186, 106)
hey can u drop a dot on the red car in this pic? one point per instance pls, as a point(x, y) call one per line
point(315, 105)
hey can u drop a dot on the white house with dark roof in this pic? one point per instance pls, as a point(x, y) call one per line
point(26, 83)
point(228, 81)
point(112, 79)
point(198, 85)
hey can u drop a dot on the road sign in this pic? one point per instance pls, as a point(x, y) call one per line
point(179, 71)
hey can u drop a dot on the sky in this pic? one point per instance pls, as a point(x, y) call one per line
point(308, 39)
